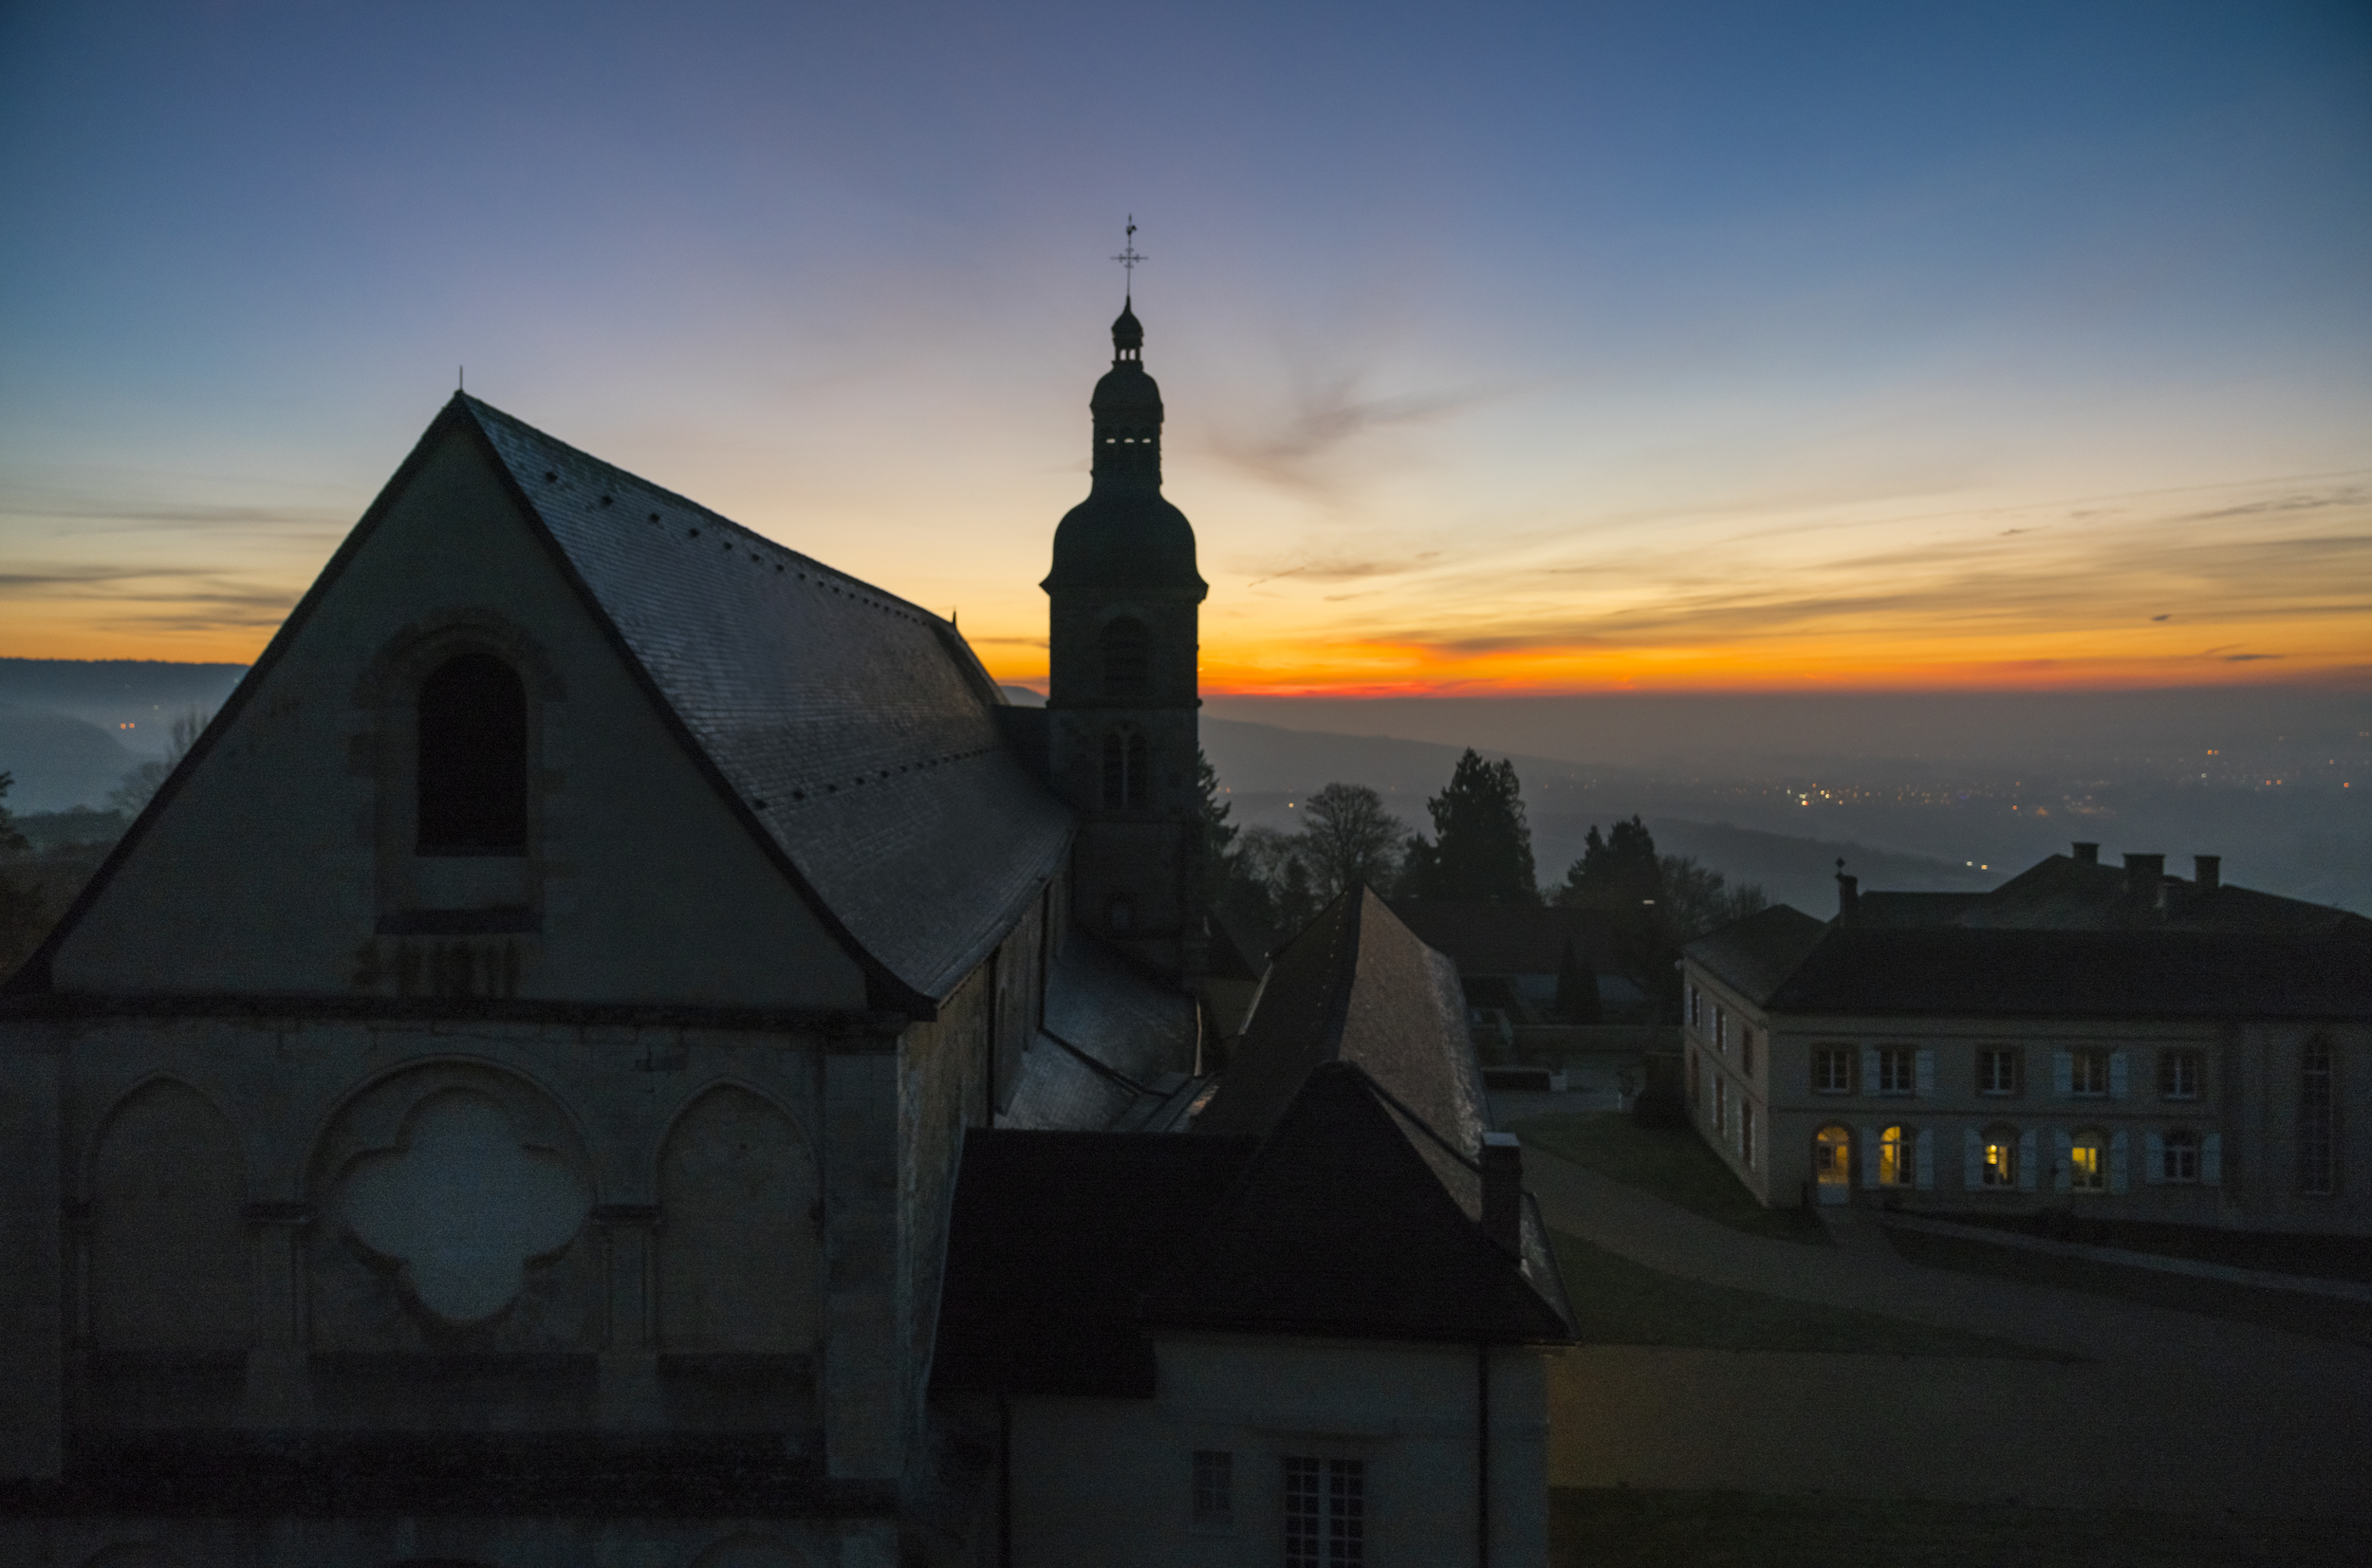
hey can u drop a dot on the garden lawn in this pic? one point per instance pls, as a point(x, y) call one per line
point(1672, 1163)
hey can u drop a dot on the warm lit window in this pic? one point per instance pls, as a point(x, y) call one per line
point(2087, 1163)
point(1999, 1157)
point(1997, 1072)
point(472, 772)
point(1832, 1157)
point(1124, 781)
point(2181, 1156)
point(1897, 1070)
point(1832, 1071)
point(1214, 1489)
point(2087, 1073)
point(2178, 1074)
point(1897, 1157)
point(1325, 1513)
point(1127, 652)
point(2318, 1122)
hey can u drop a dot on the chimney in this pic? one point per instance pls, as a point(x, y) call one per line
point(1503, 1192)
point(2208, 872)
point(2086, 855)
point(2145, 880)
point(1849, 896)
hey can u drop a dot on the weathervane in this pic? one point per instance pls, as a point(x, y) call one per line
point(1128, 258)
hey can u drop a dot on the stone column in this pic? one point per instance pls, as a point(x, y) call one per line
point(629, 1367)
point(279, 1389)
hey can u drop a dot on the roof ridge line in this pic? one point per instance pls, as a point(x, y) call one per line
point(1421, 1124)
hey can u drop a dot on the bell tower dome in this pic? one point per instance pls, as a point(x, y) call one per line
point(1123, 624)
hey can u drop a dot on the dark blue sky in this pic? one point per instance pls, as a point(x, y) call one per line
point(1491, 334)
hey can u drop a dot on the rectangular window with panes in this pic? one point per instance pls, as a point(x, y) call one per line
point(1897, 1070)
point(1832, 1071)
point(1214, 1489)
point(2178, 1074)
point(1997, 1071)
point(1325, 1513)
point(2087, 1074)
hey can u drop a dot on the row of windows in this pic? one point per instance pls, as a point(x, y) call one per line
point(1326, 1506)
point(2000, 1072)
point(2006, 1159)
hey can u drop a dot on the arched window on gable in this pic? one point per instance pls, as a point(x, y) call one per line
point(1125, 786)
point(1127, 650)
point(472, 758)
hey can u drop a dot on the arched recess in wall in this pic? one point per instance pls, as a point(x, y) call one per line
point(451, 1201)
point(739, 1254)
point(170, 1264)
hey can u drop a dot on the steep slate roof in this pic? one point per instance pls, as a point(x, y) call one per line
point(1754, 954)
point(2081, 974)
point(1053, 1239)
point(2065, 939)
point(2061, 892)
point(1341, 1225)
point(857, 729)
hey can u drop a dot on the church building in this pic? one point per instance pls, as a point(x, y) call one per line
point(503, 1102)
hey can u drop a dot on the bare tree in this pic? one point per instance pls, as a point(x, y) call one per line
point(1349, 837)
point(133, 792)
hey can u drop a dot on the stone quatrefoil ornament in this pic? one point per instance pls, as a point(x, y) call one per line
point(463, 1207)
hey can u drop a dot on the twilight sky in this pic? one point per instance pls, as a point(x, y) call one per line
point(1561, 348)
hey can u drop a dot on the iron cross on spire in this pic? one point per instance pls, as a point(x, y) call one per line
point(1129, 256)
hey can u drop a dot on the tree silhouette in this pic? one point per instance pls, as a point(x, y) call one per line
point(1482, 846)
point(1349, 837)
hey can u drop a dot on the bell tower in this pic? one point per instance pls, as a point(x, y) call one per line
point(1120, 691)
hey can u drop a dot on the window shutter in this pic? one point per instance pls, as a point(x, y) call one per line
point(2154, 1158)
point(1868, 1136)
point(2117, 1079)
point(2118, 1142)
point(1972, 1158)
point(1927, 1075)
point(1926, 1158)
point(2063, 1147)
point(2026, 1160)
point(2063, 1072)
point(1870, 1070)
point(2212, 1159)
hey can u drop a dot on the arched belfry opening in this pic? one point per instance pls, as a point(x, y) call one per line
point(1126, 769)
point(472, 765)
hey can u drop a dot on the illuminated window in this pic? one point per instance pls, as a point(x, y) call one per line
point(2181, 1156)
point(2087, 1073)
point(2318, 1122)
point(1997, 1072)
point(1832, 1071)
point(473, 764)
point(1897, 1157)
point(1214, 1489)
point(1999, 1157)
point(2178, 1074)
point(1127, 652)
point(1325, 1513)
point(1897, 1070)
point(1832, 1157)
point(2087, 1163)
point(1124, 781)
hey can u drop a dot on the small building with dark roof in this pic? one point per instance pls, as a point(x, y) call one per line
point(1318, 1317)
point(2112, 1041)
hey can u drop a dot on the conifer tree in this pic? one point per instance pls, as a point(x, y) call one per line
point(1482, 845)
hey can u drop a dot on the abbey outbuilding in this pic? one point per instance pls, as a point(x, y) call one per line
point(619, 1045)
